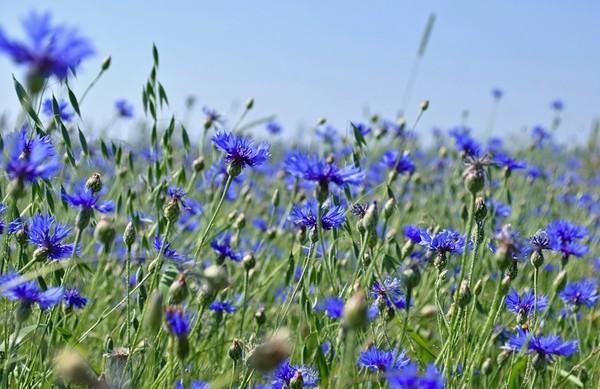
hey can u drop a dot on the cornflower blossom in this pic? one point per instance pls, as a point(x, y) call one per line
point(545, 348)
point(524, 304)
point(564, 237)
point(408, 377)
point(222, 246)
point(47, 234)
point(583, 293)
point(124, 108)
point(332, 306)
point(286, 374)
point(29, 293)
point(306, 216)
point(240, 152)
point(63, 110)
point(379, 360)
point(50, 50)
point(400, 162)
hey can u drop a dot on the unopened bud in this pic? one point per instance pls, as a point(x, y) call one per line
point(355, 311)
point(478, 288)
point(153, 315)
point(83, 218)
point(505, 285)
point(480, 209)
point(560, 281)
point(249, 261)
point(94, 183)
point(236, 350)
point(240, 222)
point(424, 105)
point(486, 367)
point(249, 104)
point(179, 290)
point(464, 294)
point(389, 207)
point(412, 276)
point(370, 219)
point(198, 164)
point(72, 368)
point(105, 231)
point(106, 63)
point(172, 210)
point(267, 356)
point(275, 198)
point(537, 259)
point(216, 277)
point(129, 235)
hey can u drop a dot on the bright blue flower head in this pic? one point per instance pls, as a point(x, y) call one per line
point(509, 163)
point(31, 158)
point(564, 237)
point(241, 151)
point(413, 233)
point(195, 384)
point(274, 128)
point(85, 199)
point(408, 377)
point(73, 299)
point(286, 372)
point(391, 292)
point(400, 162)
point(444, 242)
point(306, 216)
point(51, 50)
point(168, 251)
point(546, 347)
point(63, 110)
point(523, 305)
point(124, 108)
point(581, 293)
point(47, 234)
point(332, 306)
point(378, 360)
point(497, 93)
point(222, 306)
point(464, 142)
point(28, 292)
point(222, 246)
point(311, 168)
point(178, 321)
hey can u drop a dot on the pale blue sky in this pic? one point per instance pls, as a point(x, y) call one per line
point(305, 59)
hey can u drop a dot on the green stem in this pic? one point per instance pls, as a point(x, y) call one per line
point(245, 302)
point(202, 239)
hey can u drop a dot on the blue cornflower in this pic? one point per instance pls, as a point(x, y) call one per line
point(222, 246)
point(328, 134)
point(124, 108)
point(545, 347)
point(557, 105)
point(63, 110)
point(51, 50)
point(497, 93)
point(500, 209)
point(400, 162)
point(464, 142)
point(540, 136)
point(28, 292)
point(580, 293)
point(195, 384)
point(311, 168)
point(73, 299)
point(178, 321)
point(523, 305)
point(444, 242)
point(540, 242)
point(178, 194)
point(413, 233)
point(46, 233)
point(168, 251)
point(408, 377)
point(2, 209)
point(212, 115)
point(363, 129)
point(87, 200)
point(274, 128)
point(563, 237)
point(306, 216)
point(240, 151)
point(509, 240)
point(286, 372)
point(494, 145)
point(390, 292)
point(332, 306)
point(378, 360)
point(509, 163)
point(222, 306)
point(31, 158)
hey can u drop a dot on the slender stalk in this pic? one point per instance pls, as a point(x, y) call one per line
point(245, 302)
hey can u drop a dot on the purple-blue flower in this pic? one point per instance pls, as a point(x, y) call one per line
point(273, 128)
point(408, 377)
point(332, 306)
point(28, 292)
point(509, 163)
point(222, 306)
point(545, 347)
point(178, 321)
point(564, 236)
point(400, 162)
point(497, 93)
point(64, 112)
point(31, 158)
point(124, 108)
point(195, 384)
point(222, 246)
point(413, 233)
point(464, 142)
point(47, 234)
point(168, 251)
point(306, 216)
point(379, 360)
point(74, 299)
point(85, 199)
point(50, 50)
point(241, 151)
point(444, 242)
point(580, 293)
point(523, 305)
point(284, 374)
point(312, 168)
point(390, 292)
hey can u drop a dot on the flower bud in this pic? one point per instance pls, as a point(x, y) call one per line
point(153, 315)
point(94, 183)
point(179, 290)
point(269, 355)
point(198, 164)
point(560, 281)
point(355, 311)
point(389, 207)
point(40, 254)
point(478, 288)
point(260, 316)
point(234, 169)
point(503, 356)
point(486, 367)
point(105, 231)
point(71, 368)
point(297, 382)
point(249, 261)
point(249, 104)
point(83, 218)
point(537, 259)
point(275, 198)
point(172, 210)
point(464, 294)
point(216, 277)
point(129, 235)
point(474, 180)
point(502, 258)
point(236, 350)
point(440, 261)
point(240, 222)
point(424, 105)
point(106, 63)
point(480, 209)
point(505, 285)
point(412, 276)
point(369, 221)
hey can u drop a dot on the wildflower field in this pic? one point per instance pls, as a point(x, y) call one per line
point(358, 258)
